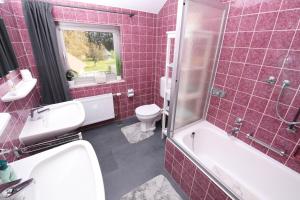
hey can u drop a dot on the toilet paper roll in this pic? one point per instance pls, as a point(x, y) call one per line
point(130, 93)
point(26, 75)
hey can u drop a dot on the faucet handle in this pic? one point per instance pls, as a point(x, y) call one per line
point(16, 188)
point(5, 186)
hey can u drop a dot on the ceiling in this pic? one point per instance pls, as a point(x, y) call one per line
point(151, 6)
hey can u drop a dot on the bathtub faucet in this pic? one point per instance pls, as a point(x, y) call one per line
point(234, 131)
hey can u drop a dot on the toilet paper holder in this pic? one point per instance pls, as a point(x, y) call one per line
point(130, 92)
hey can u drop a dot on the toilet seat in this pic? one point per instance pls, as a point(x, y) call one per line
point(147, 110)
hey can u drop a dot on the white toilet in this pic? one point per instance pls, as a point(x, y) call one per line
point(150, 114)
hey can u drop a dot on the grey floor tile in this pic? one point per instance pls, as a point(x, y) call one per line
point(125, 166)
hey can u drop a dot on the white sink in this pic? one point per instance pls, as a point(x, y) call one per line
point(70, 171)
point(23, 88)
point(61, 118)
point(4, 120)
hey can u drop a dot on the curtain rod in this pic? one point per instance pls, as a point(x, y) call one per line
point(95, 9)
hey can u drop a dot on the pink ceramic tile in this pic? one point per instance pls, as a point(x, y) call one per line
point(246, 86)
point(229, 39)
point(273, 5)
point(256, 56)
point(243, 39)
point(258, 104)
point(263, 89)
point(253, 116)
point(233, 24)
point(251, 7)
point(266, 21)
point(261, 39)
point(275, 58)
point(236, 69)
point(290, 4)
point(247, 23)
point(271, 124)
point(223, 66)
point(231, 82)
point(287, 20)
point(242, 98)
point(251, 71)
point(236, 8)
point(281, 39)
point(238, 110)
point(216, 192)
point(239, 54)
point(178, 156)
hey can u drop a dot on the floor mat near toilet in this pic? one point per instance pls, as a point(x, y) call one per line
point(134, 134)
point(158, 188)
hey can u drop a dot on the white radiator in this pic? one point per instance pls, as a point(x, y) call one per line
point(98, 108)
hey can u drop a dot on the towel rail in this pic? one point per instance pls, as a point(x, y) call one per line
point(280, 152)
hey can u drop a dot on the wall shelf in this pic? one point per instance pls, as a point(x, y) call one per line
point(23, 88)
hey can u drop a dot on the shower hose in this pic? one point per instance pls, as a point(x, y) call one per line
point(284, 85)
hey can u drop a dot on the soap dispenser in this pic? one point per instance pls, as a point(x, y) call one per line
point(7, 173)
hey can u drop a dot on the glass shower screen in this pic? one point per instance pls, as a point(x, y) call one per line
point(201, 28)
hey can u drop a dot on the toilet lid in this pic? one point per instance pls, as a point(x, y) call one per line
point(151, 109)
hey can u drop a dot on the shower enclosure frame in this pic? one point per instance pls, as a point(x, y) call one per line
point(181, 15)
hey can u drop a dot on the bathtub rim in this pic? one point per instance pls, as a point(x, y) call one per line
point(178, 142)
point(203, 169)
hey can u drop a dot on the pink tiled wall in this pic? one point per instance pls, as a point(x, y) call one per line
point(258, 36)
point(137, 52)
point(18, 109)
point(166, 21)
point(195, 184)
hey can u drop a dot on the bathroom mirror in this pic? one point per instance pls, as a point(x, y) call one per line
point(8, 60)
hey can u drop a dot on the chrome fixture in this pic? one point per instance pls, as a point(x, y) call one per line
point(35, 112)
point(285, 84)
point(238, 121)
point(271, 80)
point(50, 143)
point(234, 131)
point(218, 92)
point(275, 150)
point(13, 150)
point(18, 152)
point(9, 190)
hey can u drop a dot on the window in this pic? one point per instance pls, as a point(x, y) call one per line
point(90, 53)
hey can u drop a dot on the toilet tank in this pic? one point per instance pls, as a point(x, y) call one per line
point(162, 87)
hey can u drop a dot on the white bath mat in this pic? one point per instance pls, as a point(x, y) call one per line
point(134, 134)
point(158, 188)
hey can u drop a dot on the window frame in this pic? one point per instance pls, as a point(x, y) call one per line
point(61, 26)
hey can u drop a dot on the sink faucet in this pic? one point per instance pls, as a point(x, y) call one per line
point(13, 150)
point(234, 131)
point(8, 190)
point(35, 112)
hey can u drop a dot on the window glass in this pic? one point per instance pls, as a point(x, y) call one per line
point(92, 54)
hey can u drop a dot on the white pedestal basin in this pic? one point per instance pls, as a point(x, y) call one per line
point(59, 119)
point(70, 171)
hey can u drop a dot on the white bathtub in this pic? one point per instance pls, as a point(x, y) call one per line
point(245, 171)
